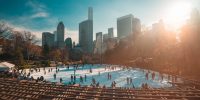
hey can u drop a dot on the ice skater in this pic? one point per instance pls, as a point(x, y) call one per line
point(72, 78)
point(61, 80)
point(147, 76)
point(127, 80)
point(133, 86)
point(85, 77)
point(54, 76)
point(108, 76)
point(93, 81)
point(90, 70)
point(99, 73)
point(97, 85)
point(81, 79)
point(153, 76)
point(131, 81)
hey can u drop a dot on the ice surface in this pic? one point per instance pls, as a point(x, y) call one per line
point(119, 75)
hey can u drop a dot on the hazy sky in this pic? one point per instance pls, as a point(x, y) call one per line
point(43, 15)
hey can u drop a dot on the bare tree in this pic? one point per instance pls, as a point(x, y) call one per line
point(29, 40)
point(4, 28)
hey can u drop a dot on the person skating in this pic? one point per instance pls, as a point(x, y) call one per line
point(133, 86)
point(60, 80)
point(108, 76)
point(153, 76)
point(127, 80)
point(99, 73)
point(131, 81)
point(97, 85)
point(85, 77)
point(81, 79)
point(54, 76)
point(93, 81)
point(72, 78)
point(147, 76)
point(114, 83)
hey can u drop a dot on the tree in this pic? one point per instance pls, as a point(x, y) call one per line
point(190, 39)
point(19, 57)
point(56, 55)
point(4, 28)
point(29, 41)
point(36, 51)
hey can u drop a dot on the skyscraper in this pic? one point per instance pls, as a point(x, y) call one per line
point(124, 26)
point(158, 30)
point(127, 25)
point(55, 36)
point(136, 26)
point(90, 13)
point(99, 43)
point(105, 37)
point(60, 35)
point(86, 33)
point(48, 39)
point(110, 32)
point(68, 43)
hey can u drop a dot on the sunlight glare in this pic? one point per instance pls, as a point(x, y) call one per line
point(177, 14)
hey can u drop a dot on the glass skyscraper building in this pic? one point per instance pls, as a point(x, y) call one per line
point(86, 33)
point(127, 25)
point(99, 43)
point(60, 35)
point(48, 39)
point(110, 33)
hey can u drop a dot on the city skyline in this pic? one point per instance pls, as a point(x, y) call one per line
point(99, 49)
point(41, 16)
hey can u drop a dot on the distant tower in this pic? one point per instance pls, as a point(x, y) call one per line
point(68, 43)
point(55, 38)
point(128, 25)
point(48, 39)
point(110, 32)
point(124, 26)
point(90, 13)
point(86, 33)
point(60, 35)
point(98, 46)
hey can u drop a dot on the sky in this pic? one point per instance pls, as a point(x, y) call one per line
point(40, 16)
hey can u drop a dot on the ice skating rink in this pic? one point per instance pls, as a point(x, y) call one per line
point(99, 73)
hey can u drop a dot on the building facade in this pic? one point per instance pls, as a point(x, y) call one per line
point(48, 39)
point(105, 37)
point(68, 43)
point(55, 37)
point(86, 33)
point(98, 43)
point(90, 13)
point(60, 35)
point(127, 25)
point(110, 33)
point(124, 26)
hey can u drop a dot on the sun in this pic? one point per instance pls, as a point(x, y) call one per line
point(177, 14)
